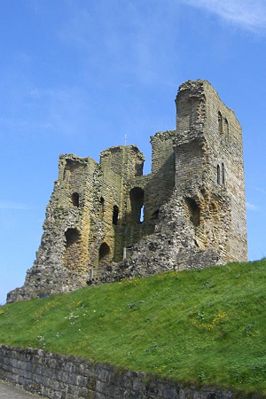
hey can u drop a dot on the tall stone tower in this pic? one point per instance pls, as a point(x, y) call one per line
point(209, 170)
point(203, 222)
point(107, 221)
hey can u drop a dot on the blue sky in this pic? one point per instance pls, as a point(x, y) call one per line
point(77, 75)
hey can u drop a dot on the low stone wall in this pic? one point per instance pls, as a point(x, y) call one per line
point(66, 377)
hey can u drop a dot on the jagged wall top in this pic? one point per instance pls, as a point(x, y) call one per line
point(106, 220)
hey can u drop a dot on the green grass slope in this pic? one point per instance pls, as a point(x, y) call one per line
point(205, 327)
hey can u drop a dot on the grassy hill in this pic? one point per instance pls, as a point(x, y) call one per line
point(206, 326)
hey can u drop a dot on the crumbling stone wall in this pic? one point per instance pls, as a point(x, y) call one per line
point(66, 377)
point(204, 221)
point(107, 221)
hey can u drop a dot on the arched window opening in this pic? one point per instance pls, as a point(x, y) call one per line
point(73, 250)
point(226, 126)
point(75, 199)
point(194, 211)
point(141, 218)
point(220, 123)
point(115, 214)
point(137, 204)
point(223, 174)
point(72, 236)
point(218, 174)
point(104, 253)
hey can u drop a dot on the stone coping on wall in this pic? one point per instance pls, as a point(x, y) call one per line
point(56, 376)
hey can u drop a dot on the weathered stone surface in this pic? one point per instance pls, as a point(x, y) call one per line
point(42, 372)
point(194, 201)
point(8, 391)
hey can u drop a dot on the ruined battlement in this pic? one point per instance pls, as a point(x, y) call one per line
point(107, 220)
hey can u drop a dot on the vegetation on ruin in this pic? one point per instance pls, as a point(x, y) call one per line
point(205, 326)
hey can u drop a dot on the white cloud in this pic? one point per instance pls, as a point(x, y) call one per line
point(251, 207)
point(250, 14)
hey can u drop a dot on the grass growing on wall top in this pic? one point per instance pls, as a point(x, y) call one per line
point(206, 326)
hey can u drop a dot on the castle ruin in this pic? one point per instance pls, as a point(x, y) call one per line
point(106, 221)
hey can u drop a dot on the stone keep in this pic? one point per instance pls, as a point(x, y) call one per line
point(106, 221)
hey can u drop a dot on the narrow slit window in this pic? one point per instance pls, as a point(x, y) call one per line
point(115, 214)
point(223, 174)
point(102, 204)
point(218, 174)
point(220, 123)
point(141, 217)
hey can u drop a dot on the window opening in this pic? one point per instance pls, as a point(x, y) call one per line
point(141, 218)
point(72, 249)
point(137, 204)
point(102, 206)
point(104, 253)
point(115, 215)
point(75, 199)
point(218, 174)
point(72, 236)
point(220, 123)
point(223, 174)
point(194, 211)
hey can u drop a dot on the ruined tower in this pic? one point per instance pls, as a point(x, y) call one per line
point(209, 170)
point(106, 221)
